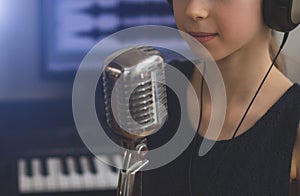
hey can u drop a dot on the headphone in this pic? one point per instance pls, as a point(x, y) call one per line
point(280, 15)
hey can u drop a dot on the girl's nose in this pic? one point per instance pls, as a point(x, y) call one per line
point(196, 9)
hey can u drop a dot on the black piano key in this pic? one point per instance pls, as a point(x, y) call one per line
point(78, 166)
point(113, 168)
point(64, 166)
point(44, 167)
point(92, 166)
point(28, 167)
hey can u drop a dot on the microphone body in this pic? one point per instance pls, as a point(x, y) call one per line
point(136, 107)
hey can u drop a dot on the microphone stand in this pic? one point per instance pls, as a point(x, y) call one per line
point(130, 177)
point(139, 67)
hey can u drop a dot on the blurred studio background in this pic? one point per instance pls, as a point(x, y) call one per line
point(42, 43)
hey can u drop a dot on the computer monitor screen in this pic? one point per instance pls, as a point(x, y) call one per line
point(70, 28)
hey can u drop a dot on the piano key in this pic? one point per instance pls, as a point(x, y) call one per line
point(118, 160)
point(102, 170)
point(28, 169)
point(52, 179)
point(25, 184)
point(64, 166)
point(44, 167)
point(38, 180)
point(78, 166)
point(76, 182)
point(91, 164)
point(104, 167)
point(89, 178)
point(63, 175)
point(112, 167)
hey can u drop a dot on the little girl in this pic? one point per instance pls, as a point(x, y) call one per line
point(263, 157)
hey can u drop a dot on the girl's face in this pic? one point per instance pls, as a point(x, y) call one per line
point(224, 27)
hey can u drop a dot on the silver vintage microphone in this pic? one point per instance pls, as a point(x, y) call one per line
point(136, 107)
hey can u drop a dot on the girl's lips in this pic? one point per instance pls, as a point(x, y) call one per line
point(204, 37)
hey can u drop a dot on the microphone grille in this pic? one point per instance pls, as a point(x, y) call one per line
point(139, 67)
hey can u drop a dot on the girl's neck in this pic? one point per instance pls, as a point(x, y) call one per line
point(242, 72)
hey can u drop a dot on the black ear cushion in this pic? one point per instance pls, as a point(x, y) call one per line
point(277, 15)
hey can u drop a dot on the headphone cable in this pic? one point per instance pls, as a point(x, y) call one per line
point(198, 127)
point(285, 37)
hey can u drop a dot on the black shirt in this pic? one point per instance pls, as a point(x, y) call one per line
point(256, 162)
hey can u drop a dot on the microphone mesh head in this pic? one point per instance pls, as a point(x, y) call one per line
point(140, 95)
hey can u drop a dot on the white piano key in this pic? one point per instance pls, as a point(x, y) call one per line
point(118, 159)
point(118, 162)
point(52, 179)
point(89, 178)
point(38, 181)
point(102, 171)
point(25, 182)
point(64, 183)
point(111, 179)
point(76, 181)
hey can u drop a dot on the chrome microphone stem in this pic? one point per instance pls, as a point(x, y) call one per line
point(130, 177)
